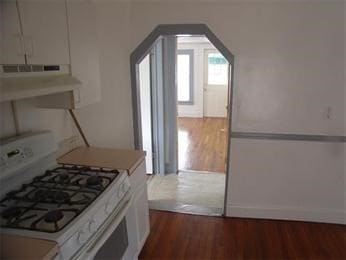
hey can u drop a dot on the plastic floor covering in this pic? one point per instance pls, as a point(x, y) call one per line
point(191, 192)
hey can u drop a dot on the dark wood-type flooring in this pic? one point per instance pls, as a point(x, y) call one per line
point(181, 236)
point(202, 143)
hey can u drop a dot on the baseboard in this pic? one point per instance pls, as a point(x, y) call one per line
point(287, 213)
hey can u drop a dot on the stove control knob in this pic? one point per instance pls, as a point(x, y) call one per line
point(92, 226)
point(82, 237)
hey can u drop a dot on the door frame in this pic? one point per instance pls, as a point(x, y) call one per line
point(157, 114)
point(144, 48)
point(150, 98)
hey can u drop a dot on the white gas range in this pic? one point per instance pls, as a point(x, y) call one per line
point(77, 207)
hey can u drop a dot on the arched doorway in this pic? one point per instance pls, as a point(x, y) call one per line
point(144, 48)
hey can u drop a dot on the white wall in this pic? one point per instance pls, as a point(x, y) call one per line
point(345, 75)
point(35, 119)
point(196, 109)
point(6, 123)
point(288, 71)
point(344, 102)
point(287, 180)
point(109, 123)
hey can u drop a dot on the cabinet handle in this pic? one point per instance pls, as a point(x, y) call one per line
point(20, 45)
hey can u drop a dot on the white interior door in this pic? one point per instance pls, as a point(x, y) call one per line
point(146, 120)
point(215, 87)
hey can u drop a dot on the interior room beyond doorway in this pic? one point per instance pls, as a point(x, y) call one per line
point(202, 97)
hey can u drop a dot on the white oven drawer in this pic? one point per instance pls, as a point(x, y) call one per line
point(91, 248)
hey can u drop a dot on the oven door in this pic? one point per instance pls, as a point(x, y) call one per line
point(111, 240)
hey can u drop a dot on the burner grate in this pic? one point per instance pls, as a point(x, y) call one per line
point(51, 201)
point(51, 220)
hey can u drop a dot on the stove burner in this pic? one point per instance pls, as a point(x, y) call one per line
point(51, 201)
point(11, 213)
point(63, 176)
point(48, 173)
point(53, 216)
point(55, 196)
point(94, 180)
point(84, 169)
point(11, 194)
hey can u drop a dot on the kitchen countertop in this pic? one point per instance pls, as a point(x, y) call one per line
point(104, 157)
point(18, 247)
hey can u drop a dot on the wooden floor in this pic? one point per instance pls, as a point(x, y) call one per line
point(181, 236)
point(202, 144)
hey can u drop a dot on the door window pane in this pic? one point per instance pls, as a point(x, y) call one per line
point(183, 77)
point(217, 69)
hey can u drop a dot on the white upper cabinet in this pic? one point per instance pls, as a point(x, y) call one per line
point(45, 32)
point(84, 51)
point(12, 46)
point(55, 32)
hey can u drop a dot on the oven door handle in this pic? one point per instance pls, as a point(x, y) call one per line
point(89, 251)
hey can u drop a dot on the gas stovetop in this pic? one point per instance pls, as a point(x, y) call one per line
point(51, 201)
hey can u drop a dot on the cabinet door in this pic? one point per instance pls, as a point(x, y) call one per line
point(142, 215)
point(12, 49)
point(138, 226)
point(45, 31)
point(84, 51)
point(140, 209)
point(132, 231)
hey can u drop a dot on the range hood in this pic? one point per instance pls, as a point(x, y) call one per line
point(15, 86)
